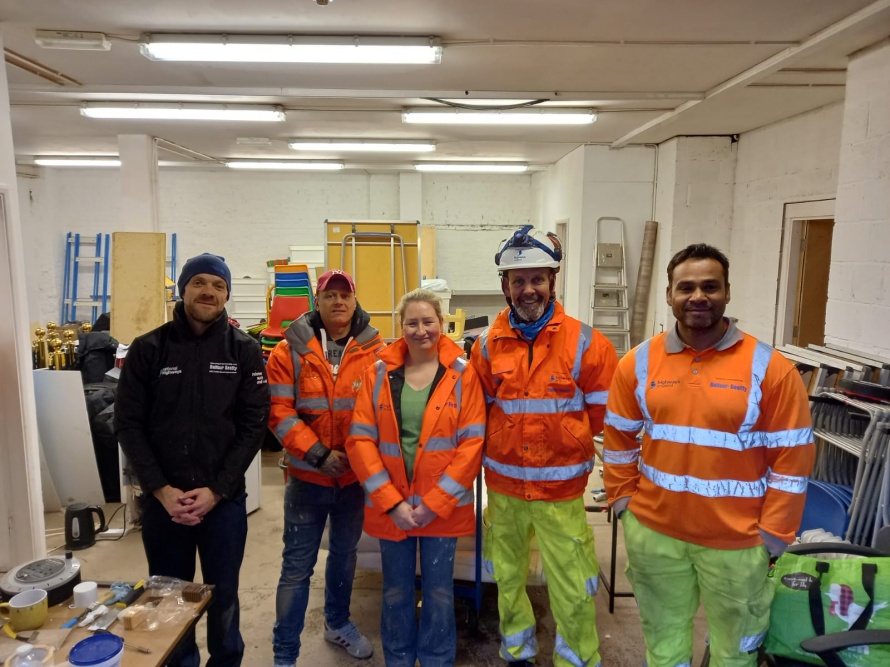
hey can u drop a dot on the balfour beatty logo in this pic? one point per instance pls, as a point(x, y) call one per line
point(223, 367)
point(560, 377)
point(728, 385)
point(664, 384)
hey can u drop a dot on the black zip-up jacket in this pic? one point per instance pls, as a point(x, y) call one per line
point(191, 411)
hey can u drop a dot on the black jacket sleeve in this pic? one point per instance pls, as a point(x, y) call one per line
point(132, 409)
point(250, 416)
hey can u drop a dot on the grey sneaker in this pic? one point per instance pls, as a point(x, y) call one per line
point(355, 643)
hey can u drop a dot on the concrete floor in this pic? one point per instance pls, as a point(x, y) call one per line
point(621, 643)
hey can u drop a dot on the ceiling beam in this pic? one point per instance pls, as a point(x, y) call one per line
point(763, 69)
point(180, 92)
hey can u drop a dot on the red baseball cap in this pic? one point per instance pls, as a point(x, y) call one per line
point(334, 274)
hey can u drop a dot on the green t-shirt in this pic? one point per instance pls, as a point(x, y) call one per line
point(413, 406)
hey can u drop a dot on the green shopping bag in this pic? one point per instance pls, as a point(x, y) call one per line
point(819, 595)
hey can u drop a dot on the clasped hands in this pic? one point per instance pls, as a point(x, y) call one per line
point(411, 518)
point(187, 507)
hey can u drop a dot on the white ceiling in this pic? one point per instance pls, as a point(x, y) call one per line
point(728, 65)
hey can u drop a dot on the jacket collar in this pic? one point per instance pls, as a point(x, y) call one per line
point(181, 323)
point(306, 328)
point(501, 326)
point(673, 344)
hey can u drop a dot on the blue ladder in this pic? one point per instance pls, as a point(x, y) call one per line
point(95, 267)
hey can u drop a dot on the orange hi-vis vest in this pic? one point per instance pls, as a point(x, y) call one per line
point(311, 411)
point(547, 399)
point(449, 450)
point(727, 440)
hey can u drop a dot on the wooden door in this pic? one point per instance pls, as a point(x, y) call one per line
point(812, 282)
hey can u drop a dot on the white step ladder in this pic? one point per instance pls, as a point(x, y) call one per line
point(609, 308)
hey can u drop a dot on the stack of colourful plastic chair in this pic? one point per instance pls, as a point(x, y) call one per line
point(289, 297)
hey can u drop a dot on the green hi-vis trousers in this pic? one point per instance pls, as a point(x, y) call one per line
point(566, 544)
point(670, 577)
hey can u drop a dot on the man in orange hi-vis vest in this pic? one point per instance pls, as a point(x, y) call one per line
point(719, 480)
point(545, 376)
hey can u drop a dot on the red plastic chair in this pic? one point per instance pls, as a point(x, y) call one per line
point(285, 309)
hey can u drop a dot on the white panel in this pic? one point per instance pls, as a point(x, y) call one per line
point(253, 478)
point(65, 436)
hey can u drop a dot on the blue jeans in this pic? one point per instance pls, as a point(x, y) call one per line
point(219, 540)
point(434, 642)
point(307, 507)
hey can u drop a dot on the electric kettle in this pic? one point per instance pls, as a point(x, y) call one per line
point(80, 530)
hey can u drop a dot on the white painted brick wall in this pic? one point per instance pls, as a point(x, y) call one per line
point(790, 161)
point(246, 217)
point(695, 192)
point(858, 314)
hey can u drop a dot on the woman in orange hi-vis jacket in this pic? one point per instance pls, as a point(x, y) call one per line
point(416, 446)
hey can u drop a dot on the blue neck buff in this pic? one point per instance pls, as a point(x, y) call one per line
point(530, 330)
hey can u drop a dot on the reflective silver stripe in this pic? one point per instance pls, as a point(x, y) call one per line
point(794, 437)
point(380, 368)
point(563, 650)
point(459, 392)
point(471, 431)
point(281, 390)
point(297, 362)
point(300, 463)
point(368, 502)
point(414, 500)
point(541, 406)
point(621, 457)
point(459, 365)
point(759, 363)
point(363, 430)
point(710, 488)
point(313, 404)
point(489, 399)
point(467, 499)
point(592, 585)
point(390, 449)
point(285, 425)
point(752, 642)
point(483, 343)
point(787, 483)
point(584, 338)
point(552, 474)
point(739, 442)
point(344, 403)
point(596, 398)
point(524, 640)
point(622, 424)
point(641, 370)
point(451, 487)
point(441, 444)
point(375, 481)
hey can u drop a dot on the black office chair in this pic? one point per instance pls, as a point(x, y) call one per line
point(827, 646)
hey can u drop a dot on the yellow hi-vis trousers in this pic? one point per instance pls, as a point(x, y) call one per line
point(566, 544)
point(670, 577)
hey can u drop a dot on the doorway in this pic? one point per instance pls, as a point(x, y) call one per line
point(562, 231)
point(804, 271)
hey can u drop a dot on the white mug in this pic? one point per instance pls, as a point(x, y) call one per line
point(85, 594)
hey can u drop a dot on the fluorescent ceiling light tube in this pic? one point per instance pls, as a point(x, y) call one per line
point(510, 117)
point(292, 48)
point(285, 165)
point(361, 145)
point(161, 111)
point(110, 161)
point(473, 167)
point(71, 39)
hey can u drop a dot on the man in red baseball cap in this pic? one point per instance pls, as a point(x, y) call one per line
point(314, 375)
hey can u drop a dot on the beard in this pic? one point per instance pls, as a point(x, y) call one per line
point(199, 314)
point(701, 319)
point(530, 312)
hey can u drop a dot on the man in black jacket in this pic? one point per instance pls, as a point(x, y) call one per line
point(191, 410)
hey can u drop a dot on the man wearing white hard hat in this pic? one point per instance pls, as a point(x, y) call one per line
point(546, 378)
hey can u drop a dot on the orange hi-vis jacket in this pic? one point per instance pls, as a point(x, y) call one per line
point(547, 399)
point(727, 440)
point(311, 411)
point(449, 451)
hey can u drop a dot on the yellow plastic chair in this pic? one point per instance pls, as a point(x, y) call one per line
point(458, 320)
